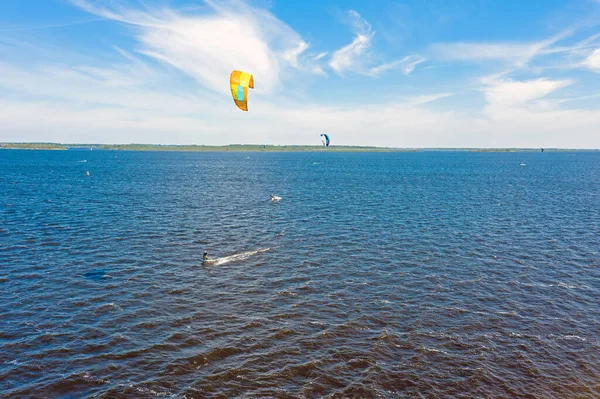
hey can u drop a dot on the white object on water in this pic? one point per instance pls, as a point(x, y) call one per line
point(87, 173)
point(275, 198)
point(523, 164)
point(234, 257)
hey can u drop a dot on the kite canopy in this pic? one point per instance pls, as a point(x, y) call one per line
point(326, 143)
point(240, 82)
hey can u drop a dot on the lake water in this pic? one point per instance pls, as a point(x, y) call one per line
point(378, 275)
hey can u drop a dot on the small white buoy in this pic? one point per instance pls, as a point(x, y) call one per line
point(87, 173)
point(523, 164)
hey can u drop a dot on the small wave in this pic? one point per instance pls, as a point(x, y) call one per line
point(426, 350)
point(568, 337)
point(98, 274)
point(107, 308)
point(252, 324)
point(548, 285)
point(233, 258)
point(287, 293)
point(565, 285)
point(282, 333)
point(185, 365)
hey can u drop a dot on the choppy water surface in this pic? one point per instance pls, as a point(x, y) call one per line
point(432, 275)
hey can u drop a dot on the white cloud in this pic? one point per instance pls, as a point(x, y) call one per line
point(593, 61)
point(352, 56)
point(522, 109)
point(208, 46)
point(348, 56)
point(355, 57)
point(309, 63)
point(320, 55)
point(118, 14)
point(123, 86)
point(406, 65)
point(417, 100)
point(291, 55)
point(484, 51)
point(508, 93)
point(516, 54)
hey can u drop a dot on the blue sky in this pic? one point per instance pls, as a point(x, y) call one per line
point(415, 73)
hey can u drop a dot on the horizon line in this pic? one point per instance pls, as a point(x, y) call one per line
point(40, 145)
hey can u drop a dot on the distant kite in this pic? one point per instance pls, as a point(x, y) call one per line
point(326, 141)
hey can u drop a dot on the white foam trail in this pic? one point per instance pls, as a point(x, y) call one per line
point(233, 258)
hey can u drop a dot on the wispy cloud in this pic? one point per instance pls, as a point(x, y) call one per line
point(483, 51)
point(356, 57)
point(593, 61)
point(352, 56)
point(127, 85)
point(291, 55)
point(508, 93)
point(208, 46)
point(49, 26)
point(516, 54)
point(406, 65)
point(320, 55)
point(417, 100)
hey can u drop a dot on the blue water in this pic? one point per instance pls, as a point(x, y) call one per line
point(378, 275)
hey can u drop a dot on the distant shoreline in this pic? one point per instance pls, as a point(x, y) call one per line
point(258, 148)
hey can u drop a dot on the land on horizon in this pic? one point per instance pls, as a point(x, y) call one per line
point(256, 148)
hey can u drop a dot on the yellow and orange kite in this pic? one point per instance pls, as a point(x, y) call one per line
point(240, 82)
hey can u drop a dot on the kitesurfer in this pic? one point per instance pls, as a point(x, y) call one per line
point(204, 257)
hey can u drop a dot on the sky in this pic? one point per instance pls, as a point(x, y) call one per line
point(410, 74)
